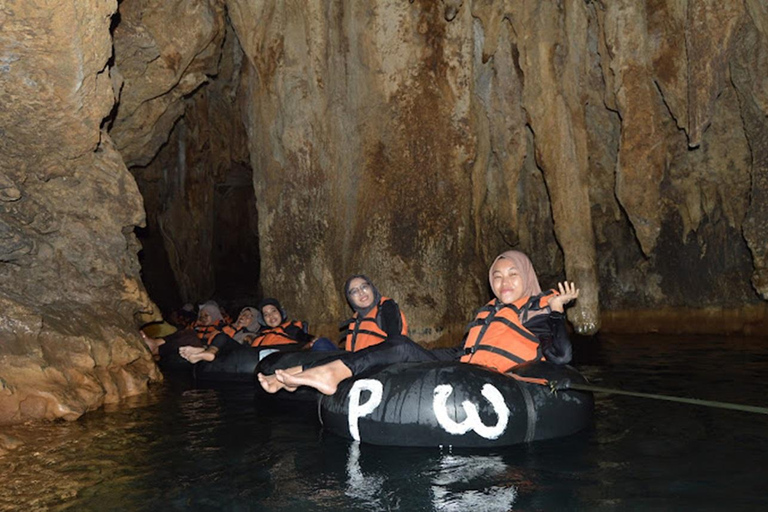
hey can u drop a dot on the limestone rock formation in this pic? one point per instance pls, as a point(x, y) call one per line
point(69, 277)
point(622, 144)
point(414, 141)
point(592, 92)
point(198, 191)
point(164, 51)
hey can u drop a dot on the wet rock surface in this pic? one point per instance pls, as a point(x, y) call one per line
point(69, 277)
point(623, 145)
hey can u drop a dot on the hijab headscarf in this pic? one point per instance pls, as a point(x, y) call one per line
point(531, 285)
point(361, 312)
point(213, 310)
point(251, 328)
point(269, 301)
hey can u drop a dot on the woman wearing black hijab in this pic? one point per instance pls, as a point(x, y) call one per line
point(277, 328)
point(376, 318)
point(377, 322)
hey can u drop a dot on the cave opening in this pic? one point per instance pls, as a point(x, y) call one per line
point(236, 239)
point(201, 236)
point(193, 170)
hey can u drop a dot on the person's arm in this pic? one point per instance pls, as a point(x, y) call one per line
point(553, 336)
point(391, 322)
point(298, 334)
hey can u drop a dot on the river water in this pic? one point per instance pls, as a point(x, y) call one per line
point(187, 448)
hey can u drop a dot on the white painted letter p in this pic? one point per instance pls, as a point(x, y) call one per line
point(358, 410)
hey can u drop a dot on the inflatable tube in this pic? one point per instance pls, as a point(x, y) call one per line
point(237, 363)
point(455, 404)
point(170, 361)
point(285, 360)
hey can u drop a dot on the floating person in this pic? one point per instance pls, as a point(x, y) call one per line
point(521, 324)
point(376, 318)
point(277, 329)
point(246, 326)
point(213, 330)
point(184, 317)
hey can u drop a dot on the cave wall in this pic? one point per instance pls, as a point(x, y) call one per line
point(361, 164)
point(69, 277)
point(607, 140)
point(623, 144)
point(174, 126)
point(414, 140)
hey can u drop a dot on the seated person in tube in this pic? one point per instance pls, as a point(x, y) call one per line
point(246, 326)
point(184, 317)
point(276, 328)
point(376, 318)
point(521, 324)
point(210, 320)
point(214, 332)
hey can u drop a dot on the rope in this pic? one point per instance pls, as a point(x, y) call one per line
point(555, 386)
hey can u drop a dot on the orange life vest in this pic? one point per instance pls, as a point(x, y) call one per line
point(275, 335)
point(206, 333)
point(497, 339)
point(367, 332)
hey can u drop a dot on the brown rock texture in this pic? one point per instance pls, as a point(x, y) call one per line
point(606, 139)
point(622, 144)
point(749, 72)
point(362, 171)
point(174, 126)
point(163, 51)
point(69, 277)
point(560, 129)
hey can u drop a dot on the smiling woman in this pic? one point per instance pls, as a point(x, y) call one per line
point(520, 325)
point(377, 321)
point(376, 317)
point(277, 328)
point(215, 332)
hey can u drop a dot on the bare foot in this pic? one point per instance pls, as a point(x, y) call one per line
point(197, 356)
point(188, 351)
point(152, 343)
point(270, 384)
point(325, 378)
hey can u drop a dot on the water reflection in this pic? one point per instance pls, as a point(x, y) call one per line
point(367, 488)
point(181, 448)
point(434, 480)
point(462, 484)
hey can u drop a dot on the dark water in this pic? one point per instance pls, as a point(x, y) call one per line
point(182, 448)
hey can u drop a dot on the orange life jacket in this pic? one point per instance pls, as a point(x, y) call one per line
point(275, 335)
point(497, 339)
point(206, 333)
point(367, 332)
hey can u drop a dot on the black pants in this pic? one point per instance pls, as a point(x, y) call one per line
point(395, 349)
